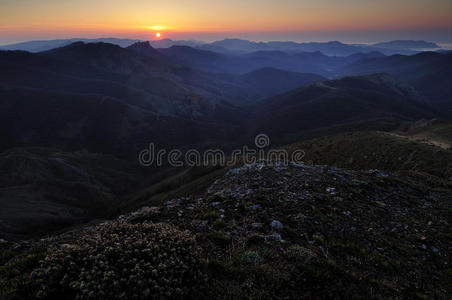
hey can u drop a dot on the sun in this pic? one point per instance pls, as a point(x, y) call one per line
point(158, 35)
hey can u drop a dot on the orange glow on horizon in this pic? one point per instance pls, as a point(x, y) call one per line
point(138, 18)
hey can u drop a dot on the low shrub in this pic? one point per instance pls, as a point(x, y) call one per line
point(123, 261)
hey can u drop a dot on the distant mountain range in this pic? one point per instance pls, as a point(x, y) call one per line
point(39, 46)
point(405, 44)
point(163, 94)
point(333, 48)
point(237, 46)
point(304, 62)
point(166, 43)
point(185, 96)
point(112, 99)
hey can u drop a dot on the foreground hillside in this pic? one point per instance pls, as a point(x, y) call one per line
point(389, 151)
point(43, 190)
point(260, 231)
point(46, 190)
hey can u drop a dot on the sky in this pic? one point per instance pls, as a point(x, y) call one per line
point(261, 20)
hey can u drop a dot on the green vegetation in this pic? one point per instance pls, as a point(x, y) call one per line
point(265, 232)
point(378, 150)
point(122, 261)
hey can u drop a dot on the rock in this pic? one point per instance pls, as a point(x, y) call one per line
point(66, 246)
point(300, 217)
point(172, 203)
point(144, 209)
point(256, 207)
point(331, 190)
point(276, 224)
point(34, 274)
point(256, 225)
point(220, 194)
point(202, 226)
point(381, 204)
point(276, 237)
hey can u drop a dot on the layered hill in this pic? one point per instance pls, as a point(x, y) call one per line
point(268, 82)
point(343, 103)
point(301, 61)
point(101, 96)
point(428, 72)
point(407, 44)
point(97, 123)
point(45, 45)
point(148, 97)
point(332, 48)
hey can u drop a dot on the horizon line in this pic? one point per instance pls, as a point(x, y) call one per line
point(221, 39)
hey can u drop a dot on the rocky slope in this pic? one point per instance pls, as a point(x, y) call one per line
point(269, 231)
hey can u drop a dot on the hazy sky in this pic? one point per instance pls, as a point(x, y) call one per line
point(346, 20)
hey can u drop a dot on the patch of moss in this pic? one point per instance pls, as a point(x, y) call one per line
point(211, 216)
point(288, 232)
point(219, 224)
point(251, 257)
point(218, 237)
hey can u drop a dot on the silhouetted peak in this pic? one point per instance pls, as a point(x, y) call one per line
point(141, 45)
point(87, 46)
point(335, 43)
point(144, 48)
